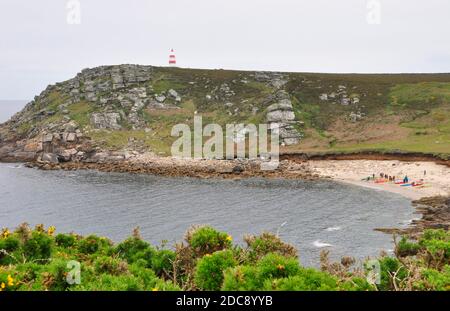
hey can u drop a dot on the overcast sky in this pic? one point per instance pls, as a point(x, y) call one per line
point(41, 42)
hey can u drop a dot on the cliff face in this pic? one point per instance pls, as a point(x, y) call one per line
point(113, 112)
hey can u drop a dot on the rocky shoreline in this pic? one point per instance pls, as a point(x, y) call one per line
point(171, 167)
point(435, 213)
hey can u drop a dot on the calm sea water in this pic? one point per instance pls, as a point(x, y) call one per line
point(308, 214)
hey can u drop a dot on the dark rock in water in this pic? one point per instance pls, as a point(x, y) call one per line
point(50, 157)
point(238, 169)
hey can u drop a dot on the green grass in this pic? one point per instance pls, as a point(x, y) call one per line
point(117, 140)
point(438, 143)
point(422, 96)
point(80, 112)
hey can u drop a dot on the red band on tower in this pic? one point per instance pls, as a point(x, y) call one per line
point(172, 59)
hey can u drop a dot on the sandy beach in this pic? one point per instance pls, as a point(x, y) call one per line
point(436, 180)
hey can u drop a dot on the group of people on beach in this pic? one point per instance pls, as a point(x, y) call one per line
point(389, 177)
point(382, 177)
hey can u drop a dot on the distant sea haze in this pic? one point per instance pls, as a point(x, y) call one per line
point(9, 107)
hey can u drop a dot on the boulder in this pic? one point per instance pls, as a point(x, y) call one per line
point(160, 98)
point(33, 146)
point(69, 137)
point(47, 138)
point(70, 126)
point(106, 120)
point(280, 115)
point(237, 169)
point(50, 157)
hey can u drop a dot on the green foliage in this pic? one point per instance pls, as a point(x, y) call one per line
point(406, 248)
point(162, 262)
point(277, 266)
point(80, 112)
point(420, 95)
point(259, 246)
point(110, 265)
point(304, 280)
point(209, 271)
point(93, 244)
point(207, 240)
point(9, 244)
point(433, 279)
point(36, 260)
point(122, 282)
point(242, 278)
point(38, 247)
point(133, 249)
point(390, 266)
point(65, 240)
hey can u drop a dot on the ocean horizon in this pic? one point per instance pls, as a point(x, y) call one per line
point(9, 107)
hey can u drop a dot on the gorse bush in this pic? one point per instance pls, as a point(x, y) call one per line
point(133, 249)
point(266, 243)
point(406, 248)
point(93, 244)
point(65, 240)
point(162, 262)
point(210, 268)
point(207, 260)
point(38, 247)
point(207, 240)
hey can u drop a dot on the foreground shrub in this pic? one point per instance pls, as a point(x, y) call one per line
point(266, 243)
point(93, 244)
point(162, 262)
point(110, 265)
point(133, 249)
point(207, 240)
point(65, 240)
point(107, 282)
point(434, 280)
point(7, 247)
point(242, 278)
point(38, 247)
point(304, 280)
point(209, 271)
point(405, 248)
point(277, 266)
point(390, 268)
point(37, 260)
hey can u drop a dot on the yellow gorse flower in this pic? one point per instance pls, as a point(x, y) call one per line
point(155, 289)
point(2, 286)
point(229, 238)
point(5, 233)
point(10, 280)
point(51, 230)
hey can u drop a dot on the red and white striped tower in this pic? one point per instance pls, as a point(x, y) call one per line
point(172, 59)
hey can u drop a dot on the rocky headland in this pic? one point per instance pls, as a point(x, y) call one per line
point(119, 118)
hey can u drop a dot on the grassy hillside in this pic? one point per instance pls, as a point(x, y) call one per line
point(334, 112)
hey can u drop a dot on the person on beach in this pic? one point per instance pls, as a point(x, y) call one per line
point(424, 173)
point(405, 180)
